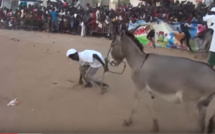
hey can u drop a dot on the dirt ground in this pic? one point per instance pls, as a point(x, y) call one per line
point(34, 68)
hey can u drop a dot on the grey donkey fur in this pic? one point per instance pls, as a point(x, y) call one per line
point(174, 79)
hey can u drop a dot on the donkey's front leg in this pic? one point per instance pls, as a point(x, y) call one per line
point(138, 95)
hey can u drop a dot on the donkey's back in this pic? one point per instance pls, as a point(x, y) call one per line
point(172, 75)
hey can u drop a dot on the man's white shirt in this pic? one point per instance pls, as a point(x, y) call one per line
point(86, 58)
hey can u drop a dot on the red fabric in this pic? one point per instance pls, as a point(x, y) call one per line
point(167, 16)
point(15, 20)
point(93, 21)
point(64, 4)
point(39, 17)
point(94, 15)
point(156, 14)
point(8, 14)
point(189, 19)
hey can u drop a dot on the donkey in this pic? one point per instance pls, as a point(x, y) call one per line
point(174, 79)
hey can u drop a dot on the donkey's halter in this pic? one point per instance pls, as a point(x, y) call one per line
point(113, 64)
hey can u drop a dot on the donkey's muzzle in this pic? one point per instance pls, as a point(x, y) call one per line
point(113, 64)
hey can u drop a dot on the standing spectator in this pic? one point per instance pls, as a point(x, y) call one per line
point(72, 20)
point(48, 3)
point(24, 4)
point(207, 3)
point(88, 8)
point(76, 23)
point(83, 29)
point(46, 20)
point(185, 29)
point(210, 18)
point(61, 16)
point(87, 18)
point(54, 24)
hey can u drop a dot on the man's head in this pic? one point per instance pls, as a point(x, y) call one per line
point(88, 4)
point(72, 54)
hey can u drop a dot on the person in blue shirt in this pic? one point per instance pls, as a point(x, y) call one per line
point(24, 3)
point(54, 25)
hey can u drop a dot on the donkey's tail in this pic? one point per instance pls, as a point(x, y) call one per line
point(206, 101)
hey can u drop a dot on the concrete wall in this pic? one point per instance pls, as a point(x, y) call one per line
point(134, 2)
point(105, 2)
point(112, 6)
point(84, 2)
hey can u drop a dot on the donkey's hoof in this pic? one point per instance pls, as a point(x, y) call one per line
point(127, 123)
point(155, 126)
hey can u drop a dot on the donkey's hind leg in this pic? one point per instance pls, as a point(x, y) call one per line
point(154, 114)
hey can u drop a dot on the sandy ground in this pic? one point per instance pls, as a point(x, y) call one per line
point(35, 70)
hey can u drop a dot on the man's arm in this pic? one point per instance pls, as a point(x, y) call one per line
point(99, 59)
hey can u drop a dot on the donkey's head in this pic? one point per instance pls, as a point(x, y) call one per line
point(120, 47)
point(116, 53)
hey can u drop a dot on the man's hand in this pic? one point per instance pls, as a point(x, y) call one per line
point(103, 64)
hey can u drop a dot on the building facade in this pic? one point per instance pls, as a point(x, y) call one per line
point(114, 3)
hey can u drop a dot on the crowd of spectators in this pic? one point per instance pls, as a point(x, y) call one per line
point(97, 20)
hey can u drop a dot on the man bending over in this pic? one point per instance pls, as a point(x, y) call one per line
point(90, 61)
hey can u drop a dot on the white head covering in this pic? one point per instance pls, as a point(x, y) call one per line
point(71, 51)
point(213, 9)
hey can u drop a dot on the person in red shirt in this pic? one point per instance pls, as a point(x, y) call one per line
point(155, 13)
point(93, 21)
point(65, 4)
